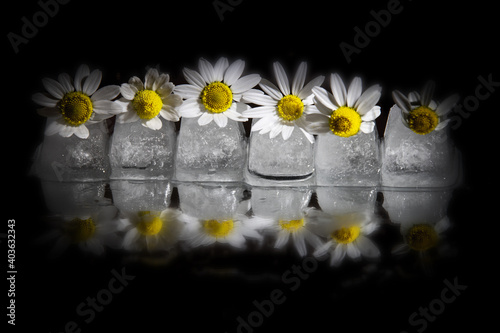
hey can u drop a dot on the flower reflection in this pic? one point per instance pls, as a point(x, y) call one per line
point(421, 237)
point(298, 229)
point(232, 231)
point(347, 236)
point(91, 233)
point(151, 230)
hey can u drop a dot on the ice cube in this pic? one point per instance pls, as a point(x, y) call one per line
point(138, 152)
point(137, 196)
point(211, 201)
point(414, 160)
point(416, 206)
point(351, 161)
point(75, 159)
point(280, 203)
point(346, 200)
point(278, 158)
point(210, 152)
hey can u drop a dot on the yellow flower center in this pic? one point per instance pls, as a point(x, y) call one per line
point(346, 235)
point(81, 230)
point(290, 108)
point(218, 229)
point(150, 224)
point(217, 97)
point(421, 237)
point(147, 104)
point(422, 120)
point(76, 108)
point(345, 121)
point(291, 225)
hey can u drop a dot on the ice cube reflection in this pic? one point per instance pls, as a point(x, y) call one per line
point(333, 225)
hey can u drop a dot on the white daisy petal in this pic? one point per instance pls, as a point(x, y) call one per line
point(269, 88)
point(153, 123)
point(206, 70)
point(106, 93)
point(65, 81)
point(262, 123)
point(442, 124)
point(367, 248)
point(81, 73)
point(220, 119)
point(300, 243)
point(165, 89)
point(136, 82)
point(91, 82)
point(427, 93)
point(367, 126)
point(43, 100)
point(321, 250)
point(337, 255)
point(338, 90)
point(53, 87)
point(234, 115)
point(368, 99)
point(151, 76)
point(193, 77)
point(372, 114)
point(281, 240)
point(307, 90)
point(127, 117)
point(188, 91)
point(54, 126)
point(324, 97)
point(259, 112)
point(287, 131)
point(299, 79)
point(233, 72)
point(191, 108)
point(354, 91)
point(445, 106)
point(168, 113)
point(276, 130)
point(205, 118)
point(401, 101)
point(219, 69)
point(353, 251)
point(128, 91)
point(253, 96)
point(81, 131)
point(162, 80)
point(245, 83)
point(281, 78)
point(107, 107)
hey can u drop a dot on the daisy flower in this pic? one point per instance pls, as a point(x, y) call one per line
point(297, 229)
point(149, 100)
point(90, 232)
point(421, 236)
point(345, 112)
point(70, 104)
point(347, 236)
point(420, 113)
point(281, 110)
point(151, 230)
point(232, 231)
point(214, 93)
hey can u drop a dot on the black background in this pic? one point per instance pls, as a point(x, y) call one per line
point(451, 43)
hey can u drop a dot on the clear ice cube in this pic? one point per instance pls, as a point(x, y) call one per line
point(138, 152)
point(277, 158)
point(351, 161)
point(138, 196)
point(210, 152)
point(75, 159)
point(414, 160)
